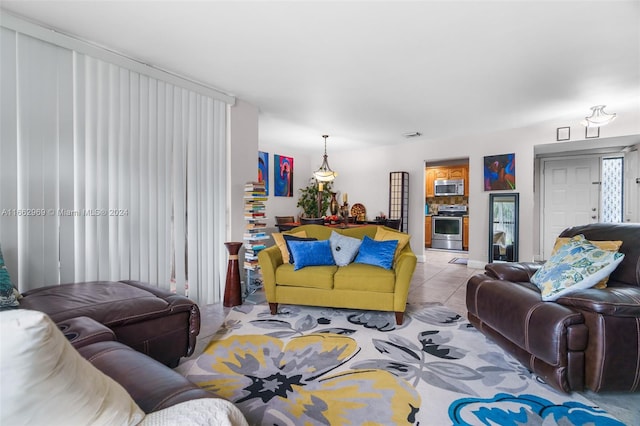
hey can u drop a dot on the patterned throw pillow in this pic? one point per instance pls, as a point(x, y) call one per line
point(311, 253)
point(577, 265)
point(344, 248)
point(377, 253)
point(604, 245)
point(7, 292)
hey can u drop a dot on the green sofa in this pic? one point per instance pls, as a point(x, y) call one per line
point(356, 286)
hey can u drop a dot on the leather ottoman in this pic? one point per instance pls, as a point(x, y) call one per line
point(150, 320)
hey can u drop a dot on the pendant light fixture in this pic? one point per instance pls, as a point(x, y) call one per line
point(324, 173)
point(598, 117)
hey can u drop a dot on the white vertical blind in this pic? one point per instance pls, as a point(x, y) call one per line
point(129, 170)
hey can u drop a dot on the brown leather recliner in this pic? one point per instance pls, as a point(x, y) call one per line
point(152, 385)
point(150, 320)
point(590, 338)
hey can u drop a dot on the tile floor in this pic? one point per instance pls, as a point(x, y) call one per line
point(435, 280)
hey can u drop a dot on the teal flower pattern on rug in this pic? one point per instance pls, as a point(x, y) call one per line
point(324, 366)
point(504, 409)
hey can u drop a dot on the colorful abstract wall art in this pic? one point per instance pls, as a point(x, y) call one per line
point(500, 172)
point(263, 169)
point(283, 176)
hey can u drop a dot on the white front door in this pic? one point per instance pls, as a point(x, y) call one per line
point(571, 196)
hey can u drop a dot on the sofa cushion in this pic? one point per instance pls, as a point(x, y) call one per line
point(111, 303)
point(278, 238)
point(604, 245)
point(363, 277)
point(46, 381)
point(577, 265)
point(343, 248)
point(377, 253)
point(311, 277)
point(8, 294)
point(311, 253)
point(288, 238)
point(383, 234)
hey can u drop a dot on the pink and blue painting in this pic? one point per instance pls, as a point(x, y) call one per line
point(500, 172)
point(283, 176)
point(263, 169)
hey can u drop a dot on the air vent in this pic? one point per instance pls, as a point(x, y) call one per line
point(412, 135)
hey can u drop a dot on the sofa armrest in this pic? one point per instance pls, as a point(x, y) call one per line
point(269, 260)
point(518, 272)
point(622, 301)
point(151, 384)
point(83, 331)
point(404, 267)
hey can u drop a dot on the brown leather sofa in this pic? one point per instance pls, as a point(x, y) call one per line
point(151, 384)
point(150, 320)
point(590, 338)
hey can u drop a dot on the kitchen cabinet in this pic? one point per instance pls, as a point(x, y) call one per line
point(456, 172)
point(427, 231)
point(448, 172)
point(441, 173)
point(465, 233)
point(430, 176)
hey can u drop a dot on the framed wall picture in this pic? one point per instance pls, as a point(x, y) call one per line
point(591, 132)
point(263, 169)
point(282, 176)
point(500, 172)
point(563, 133)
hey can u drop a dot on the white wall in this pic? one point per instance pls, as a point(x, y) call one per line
point(243, 163)
point(364, 175)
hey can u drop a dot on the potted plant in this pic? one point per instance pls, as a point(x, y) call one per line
point(308, 200)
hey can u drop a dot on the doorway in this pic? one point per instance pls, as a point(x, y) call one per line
point(578, 191)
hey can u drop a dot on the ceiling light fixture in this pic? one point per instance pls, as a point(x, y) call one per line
point(598, 117)
point(324, 173)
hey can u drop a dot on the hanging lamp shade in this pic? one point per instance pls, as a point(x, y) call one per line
point(324, 173)
point(598, 117)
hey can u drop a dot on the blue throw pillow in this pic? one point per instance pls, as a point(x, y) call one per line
point(311, 253)
point(344, 248)
point(377, 253)
point(288, 238)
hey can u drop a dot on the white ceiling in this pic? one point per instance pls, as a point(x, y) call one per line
point(365, 72)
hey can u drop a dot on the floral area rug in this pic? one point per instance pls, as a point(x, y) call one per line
point(323, 366)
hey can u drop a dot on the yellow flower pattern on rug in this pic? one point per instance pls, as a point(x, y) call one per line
point(274, 382)
point(322, 366)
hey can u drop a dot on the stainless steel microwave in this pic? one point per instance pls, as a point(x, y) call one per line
point(443, 187)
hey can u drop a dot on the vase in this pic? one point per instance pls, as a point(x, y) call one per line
point(232, 288)
point(333, 205)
